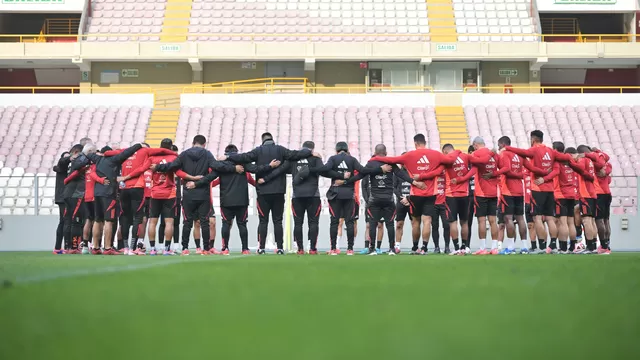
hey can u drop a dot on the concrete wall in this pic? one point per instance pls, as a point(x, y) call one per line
point(152, 74)
point(491, 77)
point(37, 233)
point(330, 74)
point(222, 71)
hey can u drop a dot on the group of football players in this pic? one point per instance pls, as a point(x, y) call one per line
point(110, 194)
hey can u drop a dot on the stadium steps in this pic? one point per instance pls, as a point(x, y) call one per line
point(452, 126)
point(177, 16)
point(441, 21)
point(163, 124)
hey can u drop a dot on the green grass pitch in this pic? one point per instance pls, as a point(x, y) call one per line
point(320, 307)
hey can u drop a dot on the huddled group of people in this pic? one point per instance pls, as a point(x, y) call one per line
point(110, 198)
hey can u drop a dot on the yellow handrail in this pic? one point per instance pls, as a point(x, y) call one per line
point(250, 85)
point(252, 37)
point(267, 88)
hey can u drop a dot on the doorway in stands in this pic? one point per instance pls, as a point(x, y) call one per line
point(284, 69)
point(452, 76)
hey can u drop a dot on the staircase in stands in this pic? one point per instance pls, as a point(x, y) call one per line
point(452, 125)
point(442, 22)
point(177, 16)
point(164, 116)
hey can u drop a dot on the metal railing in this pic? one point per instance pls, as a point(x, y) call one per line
point(59, 27)
point(303, 87)
point(317, 37)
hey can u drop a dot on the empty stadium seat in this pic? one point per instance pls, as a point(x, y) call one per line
point(32, 139)
point(125, 17)
point(315, 20)
point(494, 20)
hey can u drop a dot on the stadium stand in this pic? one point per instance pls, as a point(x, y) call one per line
point(315, 20)
point(121, 17)
point(32, 138)
point(505, 20)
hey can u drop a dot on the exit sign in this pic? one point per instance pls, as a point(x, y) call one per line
point(507, 72)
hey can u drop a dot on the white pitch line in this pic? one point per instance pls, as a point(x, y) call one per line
point(114, 269)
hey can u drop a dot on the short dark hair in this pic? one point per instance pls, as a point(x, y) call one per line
point(267, 136)
point(447, 145)
point(230, 149)
point(558, 146)
point(166, 143)
point(199, 140)
point(538, 135)
point(105, 149)
point(381, 149)
point(470, 149)
point(76, 148)
point(419, 139)
point(145, 144)
point(342, 146)
point(583, 149)
point(66, 153)
point(505, 140)
point(174, 148)
point(570, 150)
point(309, 144)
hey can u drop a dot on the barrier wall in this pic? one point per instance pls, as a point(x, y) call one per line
point(400, 99)
point(77, 100)
point(37, 233)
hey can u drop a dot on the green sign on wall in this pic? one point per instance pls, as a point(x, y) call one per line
point(507, 72)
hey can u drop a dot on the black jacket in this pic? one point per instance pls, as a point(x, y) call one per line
point(402, 188)
point(342, 163)
point(305, 183)
point(234, 187)
point(262, 155)
point(197, 161)
point(75, 188)
point(61, 170)
point(109, 167)
point(379, 187)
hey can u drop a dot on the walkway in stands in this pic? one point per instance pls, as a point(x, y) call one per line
point(442, 20)
point(177, 16)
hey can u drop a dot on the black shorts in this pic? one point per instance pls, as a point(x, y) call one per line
point(381, 211)
point(457, 208)
point(486, 206)
point(401, 211)
point(422, 205)
point(603, 206)
point(543, 203)
point(528, 213)
point(88, 209)
point(511, 205)
point(588, 207)
point(146, 207)
point(105, 209)
point(367, 215)
point(164, 207)
point(565, 207)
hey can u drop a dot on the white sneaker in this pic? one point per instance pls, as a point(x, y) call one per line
point(85, 250)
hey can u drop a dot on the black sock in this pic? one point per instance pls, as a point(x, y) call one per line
point(579, 231)
point(415, 246)
point(467, 243)
point(167, 245)
point(553, 244)
point(366, 244)
point(378, 244)
point(606, 244)
point(152, 243)
point(572, 245)
point(85, 243)
point(447, 241)
point(456, 244)
point(594, 244)
point(542, 244)
point(197, 243)
point(563, 245)
point(424, 245)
